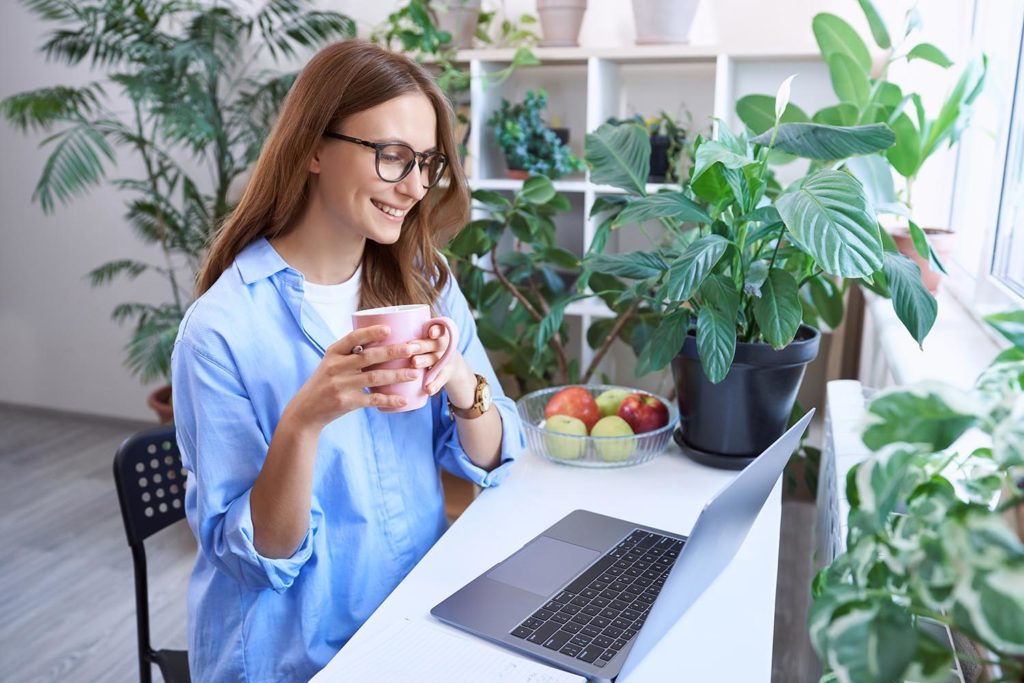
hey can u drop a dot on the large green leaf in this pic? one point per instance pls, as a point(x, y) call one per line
point(829, 217)
point(915, 306)
point(930, 53)
point(835, 36)
point(713, 152)
point(875, 174)
point(777, 311)
point(1009, 324)
point(671, 205)
point(877, 25)
point(635, 265)
point(716, 327)
point(818, 141)
point(619, 156)
point(758, 113)
point(848, 80)
point(874, 643)
point(883, 481)
point(843, 114)
point(905, 155)
point(537, 189)
point(687, 272)
point(992, 603)
point(928, 414)
point(665, 343)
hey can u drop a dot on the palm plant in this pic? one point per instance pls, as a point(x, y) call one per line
point(189, 71)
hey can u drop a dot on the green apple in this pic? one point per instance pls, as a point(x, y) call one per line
point(565, 447)
point(609, 401)
point(613, 450)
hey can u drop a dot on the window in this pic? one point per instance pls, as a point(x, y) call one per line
point(1008, 245)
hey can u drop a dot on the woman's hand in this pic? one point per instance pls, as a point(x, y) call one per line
point(456, 376)
point(336, 386)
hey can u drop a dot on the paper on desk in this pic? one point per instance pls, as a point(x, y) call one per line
point(424, 651)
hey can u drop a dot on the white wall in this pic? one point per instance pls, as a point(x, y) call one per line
point(58, 346)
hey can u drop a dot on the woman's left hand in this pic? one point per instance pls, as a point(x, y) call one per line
point(456, 375)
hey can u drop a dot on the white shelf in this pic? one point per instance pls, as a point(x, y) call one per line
point(593, 307)
point(515, 185)
point(632, 53)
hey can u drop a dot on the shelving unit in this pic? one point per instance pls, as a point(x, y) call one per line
point(585, 87)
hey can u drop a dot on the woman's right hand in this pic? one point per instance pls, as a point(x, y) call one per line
point(336, 386)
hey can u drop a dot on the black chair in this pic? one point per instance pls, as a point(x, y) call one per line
point(151, 488)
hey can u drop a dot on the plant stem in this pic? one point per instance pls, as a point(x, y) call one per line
point(563, 364)
point(778, 243)
point(612, 336)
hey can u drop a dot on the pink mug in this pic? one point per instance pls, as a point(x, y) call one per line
point(408, 322)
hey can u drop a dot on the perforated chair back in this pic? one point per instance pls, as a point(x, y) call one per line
point(151, 489)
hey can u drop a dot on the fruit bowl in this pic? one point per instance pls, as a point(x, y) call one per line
point(591, 451)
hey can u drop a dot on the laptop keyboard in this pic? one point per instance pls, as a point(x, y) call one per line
point(600, 611)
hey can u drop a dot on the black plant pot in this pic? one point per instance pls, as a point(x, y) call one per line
point(728, 424)
point(659, 159)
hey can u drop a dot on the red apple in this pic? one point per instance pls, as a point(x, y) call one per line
point(574, 402)
point(643, 412)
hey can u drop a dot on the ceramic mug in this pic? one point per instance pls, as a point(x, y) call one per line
point(407, 323)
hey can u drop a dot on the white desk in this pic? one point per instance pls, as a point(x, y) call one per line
point(725, 636)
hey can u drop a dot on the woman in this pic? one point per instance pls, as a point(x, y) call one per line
point(309, 504)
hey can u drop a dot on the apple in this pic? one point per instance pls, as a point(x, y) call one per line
point(613, 450)
point(608, 402)
point(643, 412)
point(565, 447)
point(574, 402)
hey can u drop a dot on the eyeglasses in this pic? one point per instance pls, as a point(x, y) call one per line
point(395, 160)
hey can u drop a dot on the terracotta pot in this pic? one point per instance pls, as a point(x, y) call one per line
point(517, 174)
point(943, 242)
point(663, 21)
point(560, 21)
point(160, 401)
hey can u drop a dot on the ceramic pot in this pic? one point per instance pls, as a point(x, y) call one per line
point(160, 401)
point(457, 17)
point(663, 21)
point(560, 21)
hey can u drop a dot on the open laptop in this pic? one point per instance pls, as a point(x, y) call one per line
point(594, 594)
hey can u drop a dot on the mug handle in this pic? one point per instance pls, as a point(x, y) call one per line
point(453, 341)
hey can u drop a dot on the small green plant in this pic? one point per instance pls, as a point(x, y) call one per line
point(677, 151)
point(521, 293)
point(186, 85)
point(927, 540)
point(527, 141)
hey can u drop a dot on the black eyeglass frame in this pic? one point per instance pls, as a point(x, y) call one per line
point(418, 158)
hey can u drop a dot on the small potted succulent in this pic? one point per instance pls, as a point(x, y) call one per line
point(669, 154)
point(530, 145)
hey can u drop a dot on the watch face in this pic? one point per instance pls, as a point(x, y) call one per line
point(485, 398)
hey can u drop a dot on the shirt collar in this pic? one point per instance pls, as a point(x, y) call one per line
point(259, 260)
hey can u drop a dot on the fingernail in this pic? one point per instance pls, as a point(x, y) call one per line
point(412, 374)
point(412, 348)
point(385, 330)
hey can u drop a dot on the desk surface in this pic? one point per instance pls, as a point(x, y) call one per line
point(725, 636)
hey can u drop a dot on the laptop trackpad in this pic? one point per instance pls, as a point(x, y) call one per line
point(543, 565)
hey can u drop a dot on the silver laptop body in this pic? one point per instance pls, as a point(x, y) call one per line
point(575, 596)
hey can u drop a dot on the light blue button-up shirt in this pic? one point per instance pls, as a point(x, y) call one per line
point(243, 350)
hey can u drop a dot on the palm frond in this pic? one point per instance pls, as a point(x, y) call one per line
point(286, 24)
point(149, 350)
point(42, 107)
point(114, 269)
point(53, 10)
point(73, 165)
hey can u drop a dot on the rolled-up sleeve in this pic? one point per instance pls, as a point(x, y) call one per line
point(448, 449)
point(223, 449)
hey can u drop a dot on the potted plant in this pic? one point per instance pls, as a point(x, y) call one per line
point(529, 144)
point(560, 21)
point(185, 72)
point(457, 18)
point(669, 153)
point(928, 540)
point(522, 292)
point(867, 95)
point(744, 265)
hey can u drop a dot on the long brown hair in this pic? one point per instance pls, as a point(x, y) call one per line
point(339, 81)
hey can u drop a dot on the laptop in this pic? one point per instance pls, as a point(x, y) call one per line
point(594, 594)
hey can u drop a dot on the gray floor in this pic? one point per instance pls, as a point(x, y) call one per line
point(66, 580)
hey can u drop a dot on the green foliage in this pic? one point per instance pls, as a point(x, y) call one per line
point(185, 68)
point(927, 539)
point(664, 125)
point(527, 141)
point(742, 260)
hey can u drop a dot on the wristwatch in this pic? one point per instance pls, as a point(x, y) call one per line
point(481, 401)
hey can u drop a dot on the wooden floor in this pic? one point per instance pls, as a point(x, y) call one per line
point(66, 586)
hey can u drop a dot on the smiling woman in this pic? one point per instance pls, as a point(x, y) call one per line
point(311, 491)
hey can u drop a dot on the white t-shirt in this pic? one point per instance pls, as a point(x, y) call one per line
point(336, 303)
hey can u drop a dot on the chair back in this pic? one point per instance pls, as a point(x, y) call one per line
point(150, 483)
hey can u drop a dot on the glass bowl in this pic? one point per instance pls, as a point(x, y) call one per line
point(591, 451)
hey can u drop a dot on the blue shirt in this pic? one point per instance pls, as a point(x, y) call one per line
point(243, 350)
